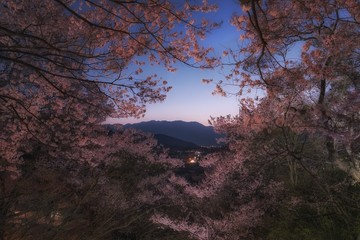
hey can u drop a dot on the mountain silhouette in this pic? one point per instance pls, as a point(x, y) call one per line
point(191, 132)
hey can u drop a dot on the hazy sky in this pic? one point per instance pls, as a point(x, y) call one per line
point(190, 99)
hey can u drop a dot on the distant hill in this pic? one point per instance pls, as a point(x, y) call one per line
point(174, 143)
point(191, 132)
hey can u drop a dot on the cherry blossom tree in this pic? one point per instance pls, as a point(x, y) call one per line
point(295, 141)
point(108, 187)
point(302, 58)
point(305, 58)
point(97, 45)
point(313, 89)
point(67, 65)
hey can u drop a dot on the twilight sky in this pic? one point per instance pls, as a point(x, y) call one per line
point(190, 99)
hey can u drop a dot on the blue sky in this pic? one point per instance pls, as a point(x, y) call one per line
point(190, 99)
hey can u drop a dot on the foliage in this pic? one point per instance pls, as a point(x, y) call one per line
point(68, 199)
point(67, 65)
point(302, 130)
point(64, 67)
point(293, 172)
